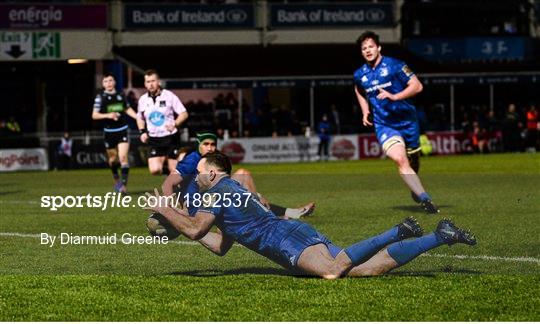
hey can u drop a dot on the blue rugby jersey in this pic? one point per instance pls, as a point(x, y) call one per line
point(391, 75)
point(188, 168)
point(249, 222)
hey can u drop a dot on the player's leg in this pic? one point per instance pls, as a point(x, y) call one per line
point(155, 164)
point(111, 142)
point(411, 136)
point(173, 151)
point(112, 160)
point(244, 177)
point(123, 150)
point(395, 149)
point(414, 160)
point(171, 164)
point(362, 251)
point(316, 260)
point(413, 155)
point(400, 253)
point(293, 213)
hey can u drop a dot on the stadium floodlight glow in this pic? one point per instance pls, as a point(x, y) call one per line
point(77, 61)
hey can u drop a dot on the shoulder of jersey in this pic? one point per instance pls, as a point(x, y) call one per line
point(192, 156)
point(392, 61)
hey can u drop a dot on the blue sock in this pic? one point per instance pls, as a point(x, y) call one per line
point(362, 251)
point(424, 196)
point(405, 251)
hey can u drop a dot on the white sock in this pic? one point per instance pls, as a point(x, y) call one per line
point(413, 181)
point(293, 213)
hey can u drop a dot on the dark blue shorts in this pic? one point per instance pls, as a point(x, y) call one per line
point(409, 132)
point(300, 238)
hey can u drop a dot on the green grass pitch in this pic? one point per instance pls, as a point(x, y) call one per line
point(497, 196)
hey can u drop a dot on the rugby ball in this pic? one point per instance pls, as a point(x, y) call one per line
point(158, 225)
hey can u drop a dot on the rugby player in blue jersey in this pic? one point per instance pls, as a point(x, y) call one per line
point(386, 84)
point(241, 217)
point(186, 170)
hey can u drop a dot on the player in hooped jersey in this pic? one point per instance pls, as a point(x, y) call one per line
point(111, 107)
point(386, 84)
point(157, 124)
point(241, 217)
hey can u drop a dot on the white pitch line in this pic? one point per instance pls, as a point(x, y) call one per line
point(19, 235)
point(18, 202)
point(435, 255)
point(185, 242)
point(484, 257)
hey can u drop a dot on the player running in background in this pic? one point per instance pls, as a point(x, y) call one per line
point(186, 171)
point(385, 84)
point(112, 107)
point(157, 124)
point(291, 243)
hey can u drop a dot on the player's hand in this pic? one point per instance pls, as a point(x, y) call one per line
point(114, 116)
point(170, 127)
point(182, 211)
point(157, 203)
point(383, 94)
point(365, 120)
point(144, 138)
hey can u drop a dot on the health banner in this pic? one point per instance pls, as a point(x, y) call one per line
point(23, 159)
point(53, 16)
point(334, 15)
point(442, 143)
point(188, 16)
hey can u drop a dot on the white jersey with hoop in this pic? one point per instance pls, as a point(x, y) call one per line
point(158, 112)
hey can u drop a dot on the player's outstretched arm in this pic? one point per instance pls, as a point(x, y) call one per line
point(217, 242)
point(194, 228)
point(170, 182)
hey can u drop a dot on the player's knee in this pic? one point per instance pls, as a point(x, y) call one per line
point(155, 171)
point(242, 171)
point(334, 272)
point(330, 276)
point(123, 160)
point(401, 160)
